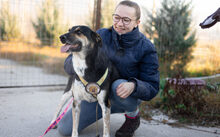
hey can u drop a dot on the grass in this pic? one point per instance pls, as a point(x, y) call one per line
point(49, 58)
point(206, 59)
point(19, 47)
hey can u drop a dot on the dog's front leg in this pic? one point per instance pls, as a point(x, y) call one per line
point(76, 114)
point(64, 99)
point(106, 119)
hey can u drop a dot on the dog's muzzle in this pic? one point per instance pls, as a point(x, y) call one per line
point(63, 39)
point(74, 46)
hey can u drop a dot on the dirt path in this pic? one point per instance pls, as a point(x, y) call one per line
point(15, 74)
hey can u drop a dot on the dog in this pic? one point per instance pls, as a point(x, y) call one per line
point(94, 74)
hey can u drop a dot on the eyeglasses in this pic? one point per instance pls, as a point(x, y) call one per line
point(125, 20)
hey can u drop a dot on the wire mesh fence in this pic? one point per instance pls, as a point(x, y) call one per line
point(14, 74)
point(18, 65)
point(71, 12)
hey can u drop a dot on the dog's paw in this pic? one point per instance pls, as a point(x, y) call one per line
point(106, 135)
point(74, 135)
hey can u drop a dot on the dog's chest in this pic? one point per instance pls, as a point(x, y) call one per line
point(80, 93)
point(79, 65)
point(78, 89)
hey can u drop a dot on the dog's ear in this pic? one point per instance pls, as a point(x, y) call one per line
point(96, 37)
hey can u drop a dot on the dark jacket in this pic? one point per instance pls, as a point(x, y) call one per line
point(134, 56)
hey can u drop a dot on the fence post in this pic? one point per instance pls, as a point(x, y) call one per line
point(97, 14)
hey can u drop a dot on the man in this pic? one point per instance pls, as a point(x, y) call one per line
point(136, 59)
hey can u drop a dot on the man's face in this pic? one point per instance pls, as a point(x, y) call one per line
point(121, 18)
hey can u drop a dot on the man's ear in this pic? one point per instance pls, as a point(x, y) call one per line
point(96, 37)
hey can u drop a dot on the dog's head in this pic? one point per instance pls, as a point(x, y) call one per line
point(80, 38)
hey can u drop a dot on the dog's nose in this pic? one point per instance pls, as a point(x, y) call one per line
point(63, 39)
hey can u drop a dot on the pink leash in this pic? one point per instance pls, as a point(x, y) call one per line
point(57, 120)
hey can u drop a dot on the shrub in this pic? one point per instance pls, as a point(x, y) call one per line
point(9, 29)
point(48, 25)
point(190, 100)
point(183, 97)
point(170, 31)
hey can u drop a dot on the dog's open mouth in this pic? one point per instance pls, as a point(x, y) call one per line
point(65, 48)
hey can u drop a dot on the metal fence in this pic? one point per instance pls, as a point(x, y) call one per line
point(16, 72)
point(13, 74)
point(74, 12)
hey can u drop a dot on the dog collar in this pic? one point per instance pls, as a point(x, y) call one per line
point(94, 87)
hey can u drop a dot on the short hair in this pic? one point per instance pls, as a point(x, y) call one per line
point(133, 5)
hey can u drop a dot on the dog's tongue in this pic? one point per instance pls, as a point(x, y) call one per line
point(65, 48)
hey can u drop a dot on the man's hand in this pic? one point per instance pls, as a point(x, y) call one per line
point(125, 89)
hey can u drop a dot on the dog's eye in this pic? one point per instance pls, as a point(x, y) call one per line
point(78, 32)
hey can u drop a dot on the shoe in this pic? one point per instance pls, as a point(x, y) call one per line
point(129, 127)
point(208, 22)
point(211, 20)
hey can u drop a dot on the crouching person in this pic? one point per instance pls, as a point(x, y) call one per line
point(136, 59)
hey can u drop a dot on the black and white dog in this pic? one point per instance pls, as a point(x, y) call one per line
point(94, 74)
